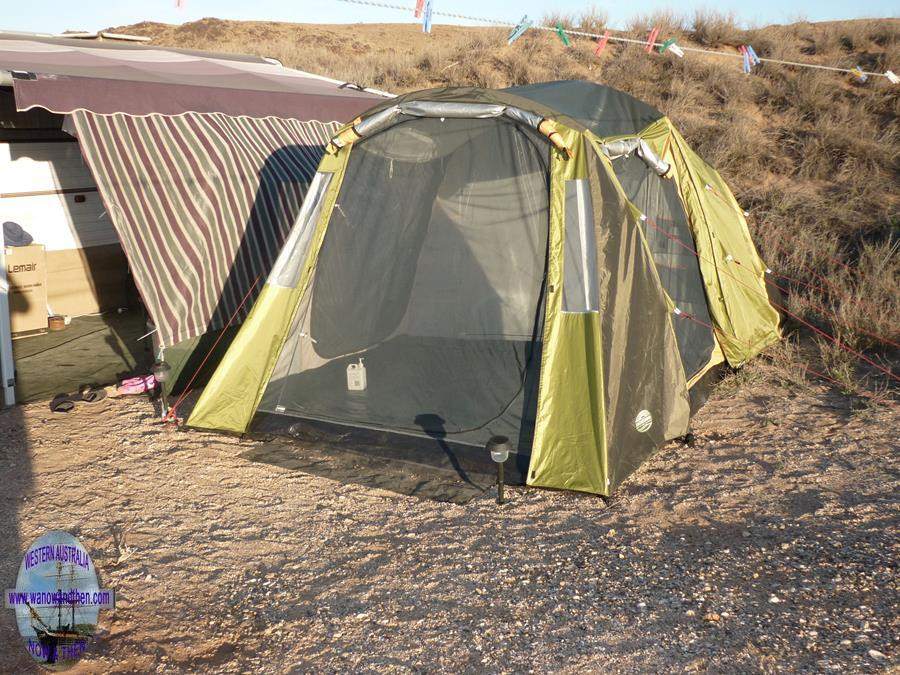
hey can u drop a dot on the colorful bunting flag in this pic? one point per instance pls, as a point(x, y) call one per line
point(892, 77)
point(754, 59)
point(672, 46)
point(519, 30)
point(860, 75)
point(426, 20)
point(601, 43)
point(562, 34)
point(420, 8)
point(748, 58)
point(651, 39)
point(745, 56)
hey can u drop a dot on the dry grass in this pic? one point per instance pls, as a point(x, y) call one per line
point(812, 155)
point(592, 20)
point(713, 29)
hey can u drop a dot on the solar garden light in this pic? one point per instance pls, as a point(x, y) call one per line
point(499, 448)
point(160, 371)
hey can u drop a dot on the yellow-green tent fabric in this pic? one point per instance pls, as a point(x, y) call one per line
point(549, 263)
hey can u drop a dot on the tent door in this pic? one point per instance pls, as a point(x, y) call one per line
point(431, 271)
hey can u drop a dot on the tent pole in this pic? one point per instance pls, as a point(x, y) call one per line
point(7, 365)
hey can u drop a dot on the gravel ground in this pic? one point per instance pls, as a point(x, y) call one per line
point(769, 545)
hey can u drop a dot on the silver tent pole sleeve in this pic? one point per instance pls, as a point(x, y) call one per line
point(7, 365)
point(625, 146)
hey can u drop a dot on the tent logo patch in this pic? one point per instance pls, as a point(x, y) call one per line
point(643, 421)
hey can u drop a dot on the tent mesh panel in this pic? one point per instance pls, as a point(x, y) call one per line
point(431, 272)
point(678, 268)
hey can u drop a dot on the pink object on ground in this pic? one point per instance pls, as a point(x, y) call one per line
point(136, 385)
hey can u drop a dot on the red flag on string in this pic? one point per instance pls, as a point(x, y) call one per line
point(601, 43)
point(651, 39)
point(420, 8)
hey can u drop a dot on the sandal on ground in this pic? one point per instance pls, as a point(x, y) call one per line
point(62, 404)
point(91, 395)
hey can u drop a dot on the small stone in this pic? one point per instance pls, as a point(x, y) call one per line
point(877, 655)
point(774, 599)
point(690, 612)
point(712, 617)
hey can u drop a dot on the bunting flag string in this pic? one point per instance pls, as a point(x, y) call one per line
point(519, 30)
point(601, 43)
point(565, 32)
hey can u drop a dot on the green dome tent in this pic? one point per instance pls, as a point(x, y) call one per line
point(551, 263)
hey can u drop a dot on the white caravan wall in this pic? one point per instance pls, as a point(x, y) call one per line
point(55, 220)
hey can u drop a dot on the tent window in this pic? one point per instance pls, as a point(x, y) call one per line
point(287, 270)
point(580, 255)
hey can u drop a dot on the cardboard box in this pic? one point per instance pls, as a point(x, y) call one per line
point(26, 270)
point(87, 280)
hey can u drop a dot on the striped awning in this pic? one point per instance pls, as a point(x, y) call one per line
point(202, 160)
point(202, 203)
point(64, 75)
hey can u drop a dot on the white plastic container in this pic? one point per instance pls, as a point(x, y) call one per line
point(356, 376)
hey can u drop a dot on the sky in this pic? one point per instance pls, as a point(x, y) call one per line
point(54, 16)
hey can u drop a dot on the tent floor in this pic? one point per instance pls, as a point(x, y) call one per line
point(443, 388)
point(98, 349)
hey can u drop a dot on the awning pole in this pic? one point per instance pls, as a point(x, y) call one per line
point(7, 365)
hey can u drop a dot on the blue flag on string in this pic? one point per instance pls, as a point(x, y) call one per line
point(754, 59)
point(746, 59)
point(519, 30)
point(426, 18)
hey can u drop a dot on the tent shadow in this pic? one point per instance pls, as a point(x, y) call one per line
point(283, 181)
point(428, 468)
